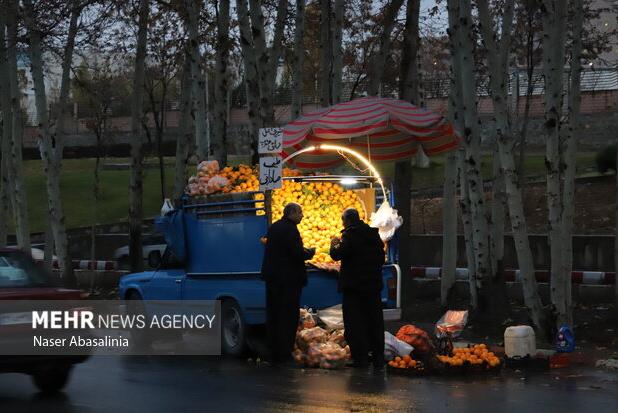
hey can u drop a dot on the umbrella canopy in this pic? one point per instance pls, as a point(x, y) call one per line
point(382, 129)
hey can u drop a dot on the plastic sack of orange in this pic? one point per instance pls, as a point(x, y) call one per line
point(451, 324)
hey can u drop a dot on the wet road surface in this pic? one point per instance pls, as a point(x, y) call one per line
point(190, 384)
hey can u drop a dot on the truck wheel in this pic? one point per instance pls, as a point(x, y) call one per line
point(141, 337)
point(51, 379)
point(233, 329)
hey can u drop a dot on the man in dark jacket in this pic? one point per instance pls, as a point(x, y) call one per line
point(361, 252)
point(283, 269)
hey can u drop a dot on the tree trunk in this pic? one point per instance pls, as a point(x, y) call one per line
point(525, 261)
point(198, 81)
point(185, 130)
point(554, 22)
point(449, 229)
point(379, 59)
point(498, 56)
point(327, 53)
point(15, 169)
point(409, 83)
point(337, 72)
point(5, 146)
point(48, 250)
point(298, 58)
point(456, 114)
point(570, 150)
point(219, 140)
point(137, 154)
point(51, 147)
point(251, 75)
point(472, 138)
point(466, 218)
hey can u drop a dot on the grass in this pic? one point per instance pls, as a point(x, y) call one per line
point(78, 180)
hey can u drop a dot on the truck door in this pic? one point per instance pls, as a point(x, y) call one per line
point(166, 284)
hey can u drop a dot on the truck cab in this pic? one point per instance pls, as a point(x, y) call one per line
point(214, 252)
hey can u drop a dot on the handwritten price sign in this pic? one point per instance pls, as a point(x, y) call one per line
point(270, 140)
point(270, 172)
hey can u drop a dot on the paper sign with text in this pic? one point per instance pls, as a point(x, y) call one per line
point(270, 140)
point(270, 172)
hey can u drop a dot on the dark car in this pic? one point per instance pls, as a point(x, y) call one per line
point(22, 279)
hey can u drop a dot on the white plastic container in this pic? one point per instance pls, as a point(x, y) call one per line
point(519, 341)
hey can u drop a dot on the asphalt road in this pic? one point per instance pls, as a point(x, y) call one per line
point(211, 384)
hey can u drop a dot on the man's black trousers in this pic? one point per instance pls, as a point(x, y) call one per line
point(282, 312)
point(364, 325)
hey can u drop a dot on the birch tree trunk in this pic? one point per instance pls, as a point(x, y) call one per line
point(51, 146)
point(409, 83)
point(185, 129)
point(15, 166)
point(451, 166)
point(251, 74)
point(498, 62)
point(326, 58)
point(219, 139)
point(337, 72)
point(456, 113)
point(466, 217)
point(198, 81)
point(554, 27)
point(570, 149)
point(449, 228)
point(298, 59)
point(472, 138)
point(379, 59)
point(5, 108)
point(137, 154)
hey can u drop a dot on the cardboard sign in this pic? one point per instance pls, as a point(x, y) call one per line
point(270, 140)
point(271, 168)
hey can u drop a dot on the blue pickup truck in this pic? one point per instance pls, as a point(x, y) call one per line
point(214, 252)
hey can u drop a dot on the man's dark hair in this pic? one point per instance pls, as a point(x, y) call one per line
point(351, 215)
point(291, 208)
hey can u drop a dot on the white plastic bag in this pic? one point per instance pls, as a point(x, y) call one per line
point(421, 160)
point(167, 207)
point(393, 347)
point(332, 317)
point(386, 220)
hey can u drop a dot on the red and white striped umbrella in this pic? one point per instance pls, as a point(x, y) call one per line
point(383, 129)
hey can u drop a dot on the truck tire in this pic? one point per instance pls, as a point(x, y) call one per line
point(52, 379)
point(140, 337)
point(233, 329)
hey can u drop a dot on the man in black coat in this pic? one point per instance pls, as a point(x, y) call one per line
point(283, 269)
point(361, 252)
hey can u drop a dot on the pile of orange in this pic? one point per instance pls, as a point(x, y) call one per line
point(322, 203)
point(476, 355)
point(405, 362)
